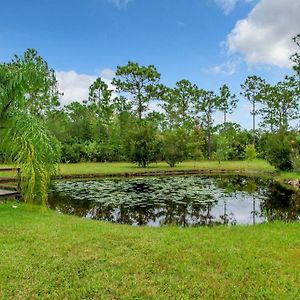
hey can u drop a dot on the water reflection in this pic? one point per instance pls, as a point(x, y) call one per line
point(181, 201)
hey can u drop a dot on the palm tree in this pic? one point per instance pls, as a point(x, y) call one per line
point(23, 136)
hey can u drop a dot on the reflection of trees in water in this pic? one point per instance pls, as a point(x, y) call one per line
point(185, 201)
point(281, 203)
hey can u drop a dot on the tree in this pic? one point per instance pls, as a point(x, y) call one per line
point(207, 103)
point(42, 93)
point(237, 139)
point(252, 88)
point(174, 146)
point(178, 104)
point(82, 122)
point(100, 99)
point(281, 104)
point(227, 102)
point(139, 82)
point(25, 138)
point(223, 148)
point(250, 153)
point(279, 151)
point(296, 57)
point(141, 143)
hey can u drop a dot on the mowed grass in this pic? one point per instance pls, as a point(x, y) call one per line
point(125, 167)
point(256, 166)
point(86, 168)
point(53, 256)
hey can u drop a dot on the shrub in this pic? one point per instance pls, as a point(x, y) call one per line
point(250, 152)
point(142, 145)
point(174, 147)
point(279, 152)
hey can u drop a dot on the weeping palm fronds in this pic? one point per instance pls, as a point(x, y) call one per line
point(33, 149)
point(23, 137)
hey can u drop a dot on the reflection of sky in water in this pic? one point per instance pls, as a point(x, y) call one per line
point(240, 209)
point(183, 201)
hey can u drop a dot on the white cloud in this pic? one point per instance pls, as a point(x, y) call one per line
point(265, 36)
point(107, 73)
point(229, 68)
point(226, 5)
point(75, 87)
point(120, 3)
point(229, 5)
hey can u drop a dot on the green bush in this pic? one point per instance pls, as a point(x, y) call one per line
point(250, 152)
point(142, 145)
point(175, 148)
point(73, 153)
point(279, 152)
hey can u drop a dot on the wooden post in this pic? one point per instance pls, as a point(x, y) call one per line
point(18, 180)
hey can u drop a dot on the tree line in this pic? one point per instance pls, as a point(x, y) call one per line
point(116, 125)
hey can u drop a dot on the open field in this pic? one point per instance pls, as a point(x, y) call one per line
point(125, 167)
point(52, 256)
point(256, 166)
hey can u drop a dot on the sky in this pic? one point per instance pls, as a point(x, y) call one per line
point(209, 42)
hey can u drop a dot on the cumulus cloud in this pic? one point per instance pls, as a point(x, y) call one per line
point(265, 36)
point(75, 86)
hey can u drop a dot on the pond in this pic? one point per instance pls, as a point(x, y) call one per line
point(178, 200)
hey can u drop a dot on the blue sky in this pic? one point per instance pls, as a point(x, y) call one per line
point(209, 42)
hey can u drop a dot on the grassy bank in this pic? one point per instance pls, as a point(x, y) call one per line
point(62, 257)
point(125, 167)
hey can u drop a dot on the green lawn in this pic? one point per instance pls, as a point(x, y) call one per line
point(52, 256)
point(125, 167)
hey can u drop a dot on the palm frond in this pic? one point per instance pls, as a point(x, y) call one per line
point(35, 151)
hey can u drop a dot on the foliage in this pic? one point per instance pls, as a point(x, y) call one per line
point(42, 93)
point(279, 152)
point(250, 152)
point(223, 149)
point(227, 102)
point(174, 145)
point(281, 104)
point(25, 139)
point(179, 104)
point(72, 152)
point(296, 57)
point(140, 82)
point(141, 144)
point(101, 104)
point(252, 91)
point(208, 103)
point(195, 143)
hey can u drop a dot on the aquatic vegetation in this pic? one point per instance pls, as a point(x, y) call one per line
point(181, 200)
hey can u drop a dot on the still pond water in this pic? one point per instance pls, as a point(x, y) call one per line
point(181, 200)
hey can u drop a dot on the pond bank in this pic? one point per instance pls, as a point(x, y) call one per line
point(125, 169)
point(165, 173)
point(49, 255)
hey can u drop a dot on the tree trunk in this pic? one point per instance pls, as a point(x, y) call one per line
point(254, 113)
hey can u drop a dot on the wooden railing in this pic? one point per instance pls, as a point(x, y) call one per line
point(11, 179)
